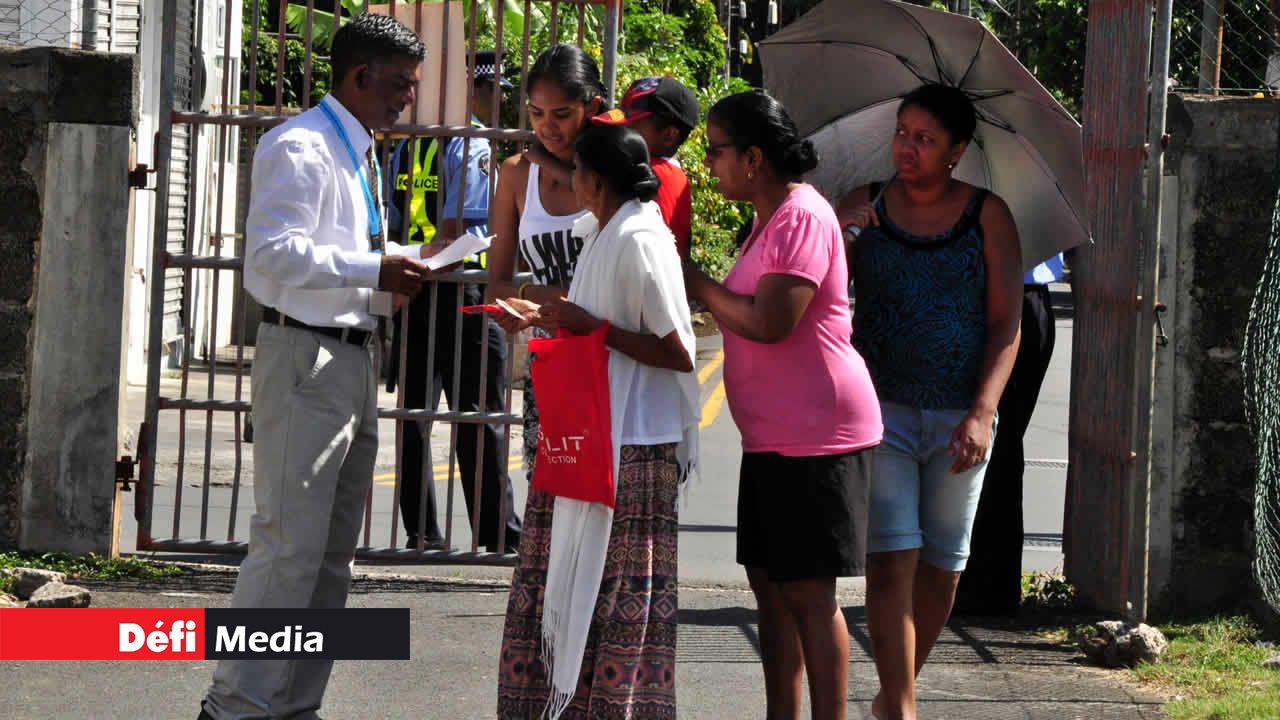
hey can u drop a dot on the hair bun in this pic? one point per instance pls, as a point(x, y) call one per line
point(646, 183)
point(800, 157)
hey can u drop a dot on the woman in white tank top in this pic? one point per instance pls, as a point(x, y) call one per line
point(534, 213)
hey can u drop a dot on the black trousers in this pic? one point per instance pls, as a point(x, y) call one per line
point(423, 386)
point(992, 580)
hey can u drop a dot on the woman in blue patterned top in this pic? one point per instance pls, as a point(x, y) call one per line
point(938, 285)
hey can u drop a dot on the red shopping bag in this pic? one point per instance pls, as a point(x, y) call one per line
point(575, 443)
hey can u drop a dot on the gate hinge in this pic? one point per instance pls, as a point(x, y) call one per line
point(124, 472)
point(138, 176)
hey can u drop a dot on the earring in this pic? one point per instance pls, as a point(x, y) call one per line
point(951, 166)
point(751, 175)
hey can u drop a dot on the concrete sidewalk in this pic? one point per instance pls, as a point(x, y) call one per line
point(980, 671)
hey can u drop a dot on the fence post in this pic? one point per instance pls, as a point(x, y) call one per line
point(1211, 46)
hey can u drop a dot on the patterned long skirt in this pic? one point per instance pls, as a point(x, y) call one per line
point(628, 669)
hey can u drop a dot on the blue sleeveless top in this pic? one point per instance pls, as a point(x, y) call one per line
point(920, 317)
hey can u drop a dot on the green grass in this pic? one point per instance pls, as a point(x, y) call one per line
point(1214, 671)
point(1211, 671)
point(88, 566)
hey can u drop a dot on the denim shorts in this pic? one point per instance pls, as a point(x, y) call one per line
point(916, 501)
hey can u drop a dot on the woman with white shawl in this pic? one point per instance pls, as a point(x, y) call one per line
point(591, 621)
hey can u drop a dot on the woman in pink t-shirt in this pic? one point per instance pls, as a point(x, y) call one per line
point(801, 396)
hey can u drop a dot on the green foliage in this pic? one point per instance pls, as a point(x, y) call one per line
point(1048, 36)
point(1047, 591)
point(83, 566)
point(263, 87)
point(1214, 668)
point(321, 22)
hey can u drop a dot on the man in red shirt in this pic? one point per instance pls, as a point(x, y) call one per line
point(664, 112)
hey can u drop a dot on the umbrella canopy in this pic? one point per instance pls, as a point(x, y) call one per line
point(842, 69)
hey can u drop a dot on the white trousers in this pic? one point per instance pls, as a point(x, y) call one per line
point(315, 442)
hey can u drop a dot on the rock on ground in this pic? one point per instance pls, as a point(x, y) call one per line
point(59, 595)
point(27, 580)
point(1120, 644)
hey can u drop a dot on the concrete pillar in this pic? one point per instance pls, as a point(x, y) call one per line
point(66, 121)
point(1226, 172)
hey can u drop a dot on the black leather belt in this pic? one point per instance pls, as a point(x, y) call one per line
point(355, 336)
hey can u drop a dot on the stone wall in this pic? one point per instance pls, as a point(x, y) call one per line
point(1225, 168)
point(65, 132)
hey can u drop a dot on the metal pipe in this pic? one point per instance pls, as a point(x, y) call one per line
point(308, 34)
point(1149, 263)
point(253, 56)
point(267, 121)
point(612, 16)
point(523, 108)
point(452, 416)
point(155, 331)
point(482, 397)
point(408, 555)
point(281, 41)
point(89, 23)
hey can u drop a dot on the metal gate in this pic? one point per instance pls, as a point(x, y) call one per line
point(194, 492)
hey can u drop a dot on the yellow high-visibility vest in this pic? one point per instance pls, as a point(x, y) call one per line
point(422, 198)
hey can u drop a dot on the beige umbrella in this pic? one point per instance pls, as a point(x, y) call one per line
point(842, 69)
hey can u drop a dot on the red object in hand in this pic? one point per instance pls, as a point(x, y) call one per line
point(575, 441)
point(477, 309)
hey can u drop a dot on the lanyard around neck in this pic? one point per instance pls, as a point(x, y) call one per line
point(375, 217)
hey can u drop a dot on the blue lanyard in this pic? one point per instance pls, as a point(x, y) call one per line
point(375, 218)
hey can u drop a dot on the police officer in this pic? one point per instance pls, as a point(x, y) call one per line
point(435, 221)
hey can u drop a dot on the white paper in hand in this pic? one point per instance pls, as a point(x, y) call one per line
point(510, 310)
point(459, 250)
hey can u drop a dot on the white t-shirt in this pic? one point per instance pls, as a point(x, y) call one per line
point(629, 274)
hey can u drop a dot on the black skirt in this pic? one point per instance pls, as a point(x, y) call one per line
point(802, 518)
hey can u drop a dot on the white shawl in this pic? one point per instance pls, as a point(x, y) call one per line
point(633, 252)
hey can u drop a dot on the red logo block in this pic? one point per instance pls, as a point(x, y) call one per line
point(102, 634)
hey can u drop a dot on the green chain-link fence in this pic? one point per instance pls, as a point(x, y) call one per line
point(1261, 366)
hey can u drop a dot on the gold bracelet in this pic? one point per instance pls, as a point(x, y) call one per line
point(520, 291)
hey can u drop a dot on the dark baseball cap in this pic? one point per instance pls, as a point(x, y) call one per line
point(662, 96)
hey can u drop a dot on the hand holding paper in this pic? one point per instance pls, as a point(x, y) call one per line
point(460, 249)
point(498, 309)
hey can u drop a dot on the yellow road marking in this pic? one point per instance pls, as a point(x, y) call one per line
point(712, 407)
point(710, 367)
point(715, 401)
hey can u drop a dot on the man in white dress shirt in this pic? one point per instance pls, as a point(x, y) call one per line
point(317, 259)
